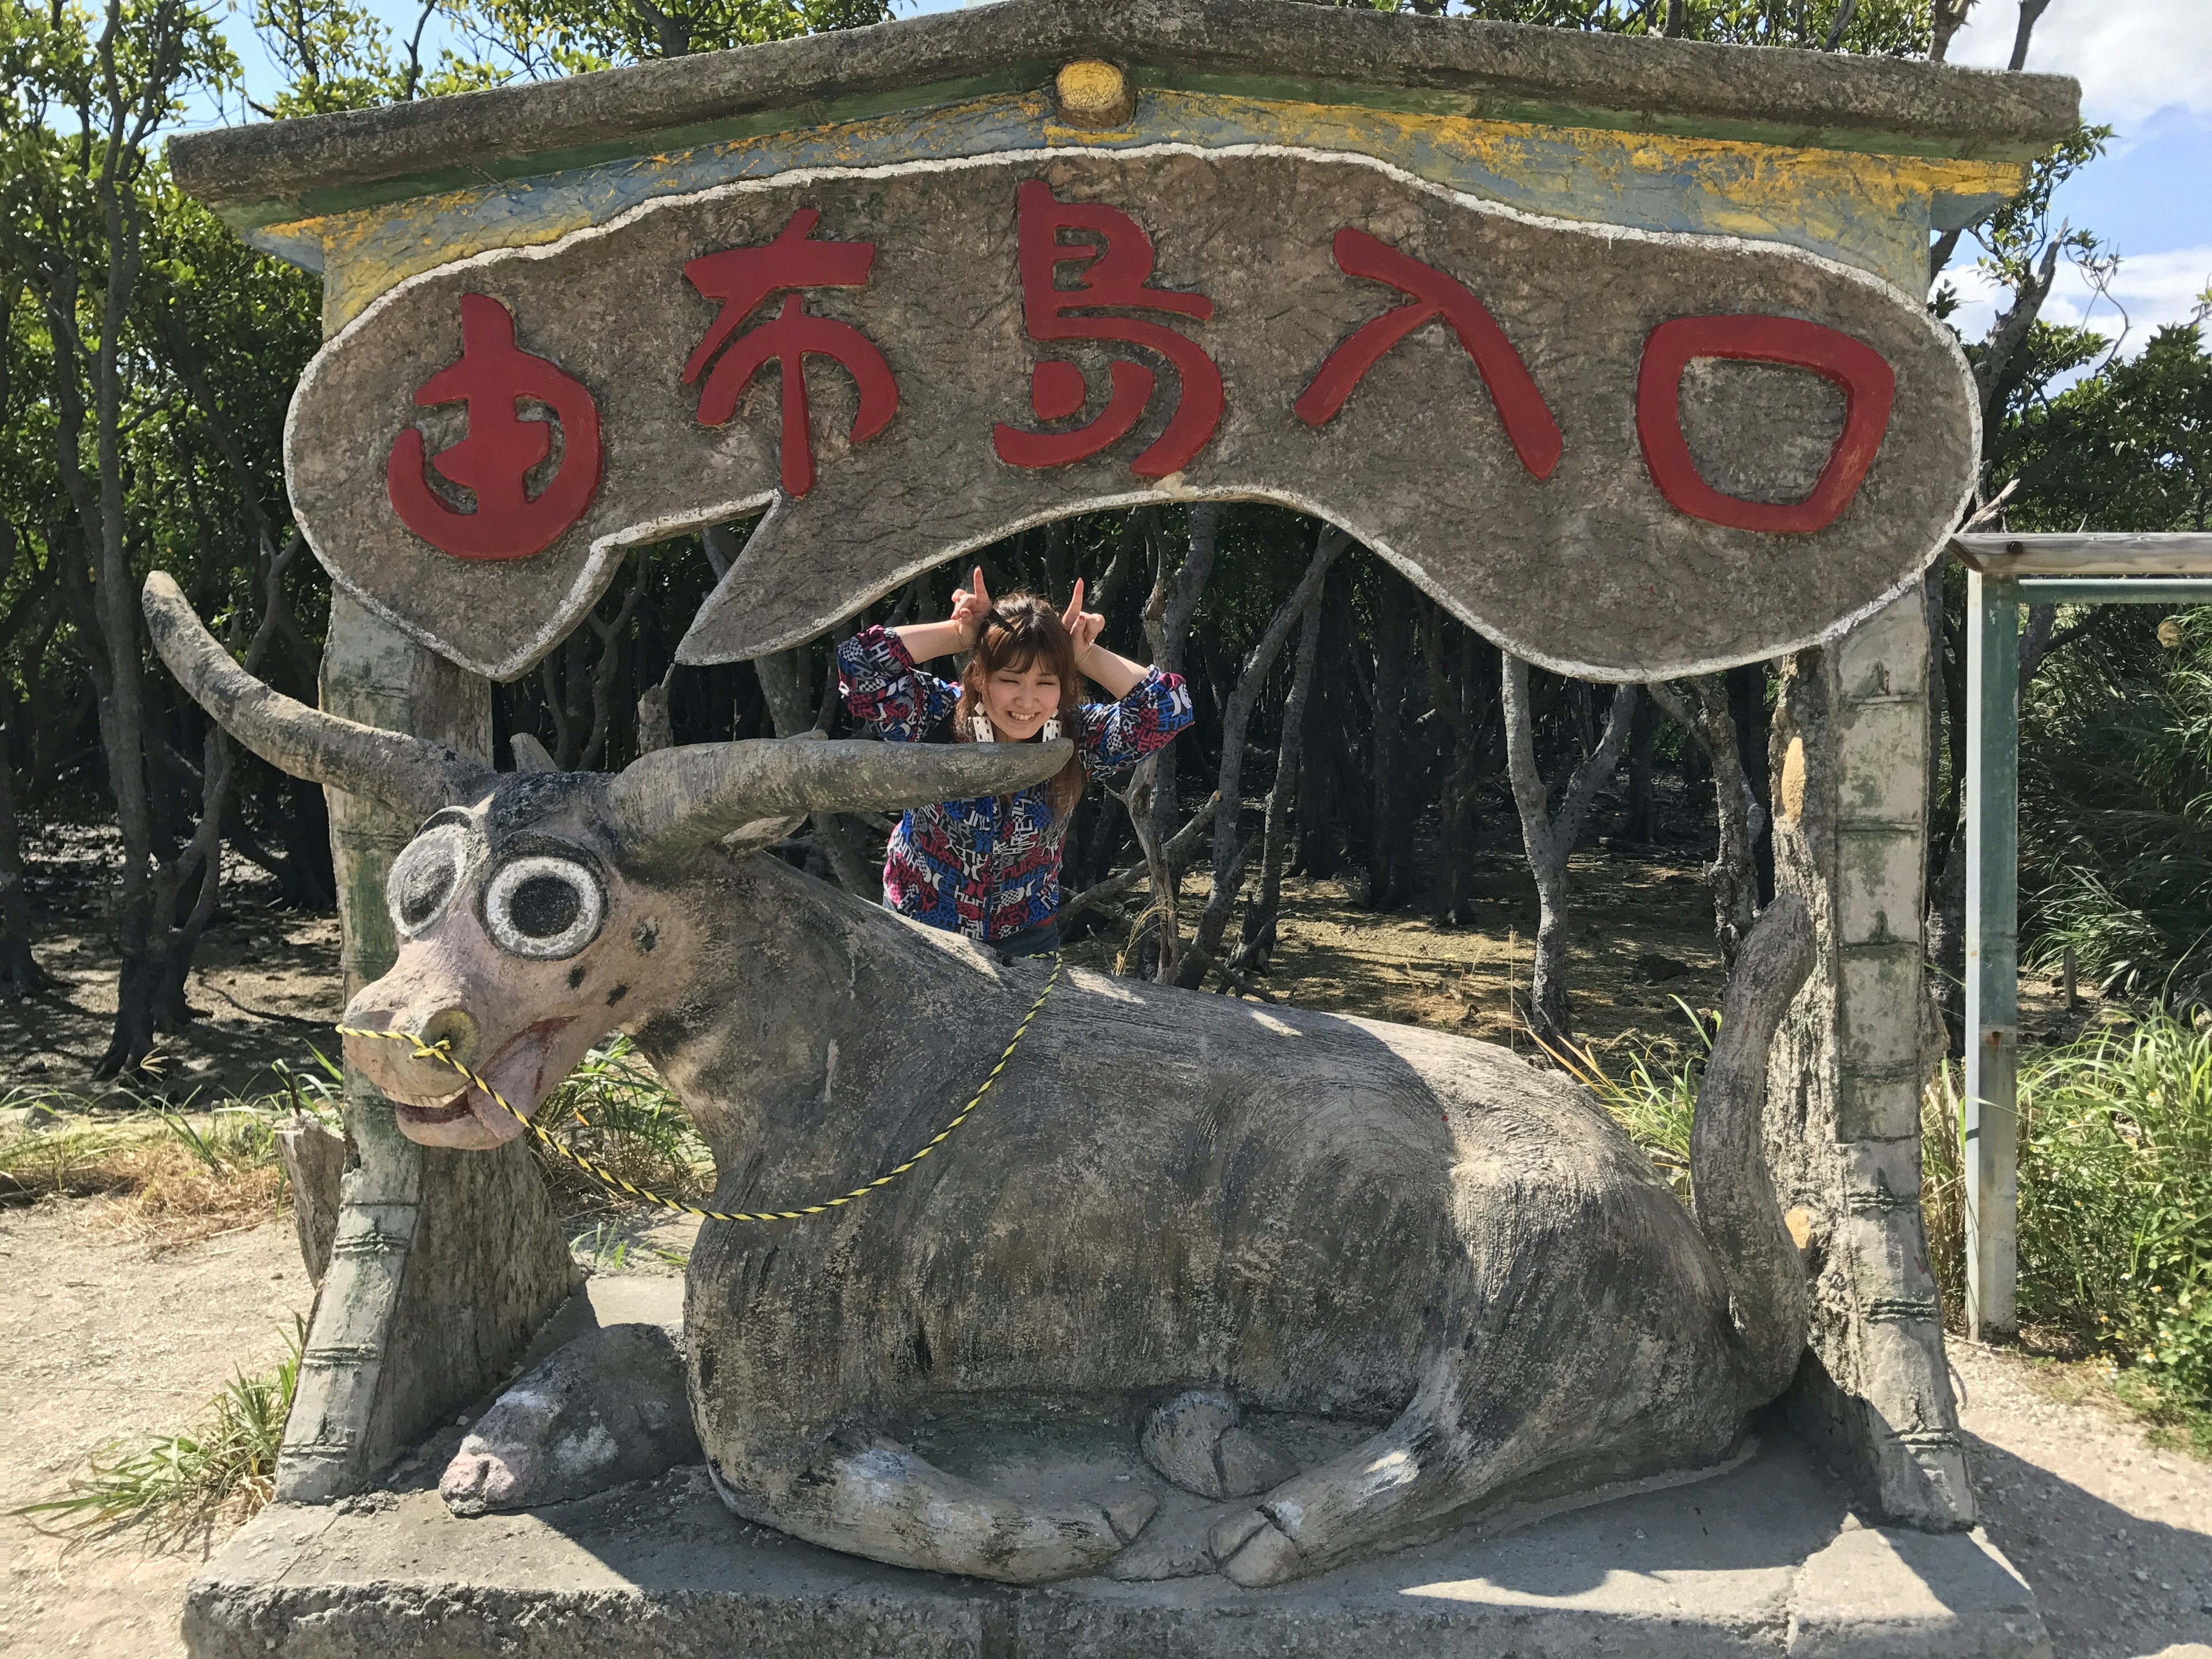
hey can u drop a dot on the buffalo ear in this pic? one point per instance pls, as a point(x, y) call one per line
point(406, 773)
point(530, 755)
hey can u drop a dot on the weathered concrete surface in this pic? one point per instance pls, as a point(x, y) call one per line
point(442, 1264)
point(604, 1410)
point(1536, 518)
point(1757, 1561)
point(1843, 1124)
point(1874, 1594)
point(314, 1157)
point(1478, 66)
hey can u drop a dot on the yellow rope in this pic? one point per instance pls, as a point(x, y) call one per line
point(437, 1051)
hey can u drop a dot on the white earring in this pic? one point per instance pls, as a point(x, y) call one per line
point(980, 725)
point(1051, 732)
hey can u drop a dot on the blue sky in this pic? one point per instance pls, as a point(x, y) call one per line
point(2145, 66)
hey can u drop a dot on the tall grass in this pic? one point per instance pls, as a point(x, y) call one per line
point(2116, 785)
point(615, 1109)
point(2115, 1218)
point(1656, 1094)
point(178, 1174)
point(223, 1469)
point(2115, 1198)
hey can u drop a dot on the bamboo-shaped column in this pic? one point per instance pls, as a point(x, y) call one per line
point(445, 1263)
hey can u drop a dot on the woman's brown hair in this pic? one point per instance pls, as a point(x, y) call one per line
point(1023, 632)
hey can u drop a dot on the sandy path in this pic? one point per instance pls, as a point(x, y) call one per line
point(2115, 1534)
point(99, 1337)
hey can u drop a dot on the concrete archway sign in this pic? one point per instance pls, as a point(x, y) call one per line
point(1620, 453)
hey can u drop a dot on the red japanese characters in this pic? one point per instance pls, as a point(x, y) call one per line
point(1082, 267)
point(742, 277)
point(493, 376)
point(1529, 425)
point(1116, 270)
point(1868, 385)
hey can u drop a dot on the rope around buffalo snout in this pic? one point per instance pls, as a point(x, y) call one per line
point(438, 1051)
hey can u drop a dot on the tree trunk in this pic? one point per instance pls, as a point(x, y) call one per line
point(1643, 826)
point(1256, 936)
point(1461, 708)
point(845, 849)
point(1229, 854)
point(20, 976)
point(1746, 688)
point(1549, 836)
point(1702, 708)
point(1151, 794)
point(1390, 876)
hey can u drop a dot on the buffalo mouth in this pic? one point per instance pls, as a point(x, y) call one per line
point(517, 1072)
point(455, 1108)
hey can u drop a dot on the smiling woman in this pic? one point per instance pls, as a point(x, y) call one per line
point(990, 868)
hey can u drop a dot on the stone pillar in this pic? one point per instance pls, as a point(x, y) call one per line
point(444, 1262)
point(1849, 751)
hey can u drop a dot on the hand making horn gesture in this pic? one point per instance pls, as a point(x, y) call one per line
point(1083, 627)
point(971, 609)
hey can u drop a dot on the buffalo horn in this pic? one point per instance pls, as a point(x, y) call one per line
point(414, 777)
point(676, 800)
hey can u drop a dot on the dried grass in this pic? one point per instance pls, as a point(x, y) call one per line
point(166, 1178)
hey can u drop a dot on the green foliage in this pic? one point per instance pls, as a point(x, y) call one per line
point(1893, 28)
point(535, 38)
point(2127, 448)
point(2017, 235)
point(615, 1109)
point(225, 1467)
point(2116, 782)
point(2115, 1198)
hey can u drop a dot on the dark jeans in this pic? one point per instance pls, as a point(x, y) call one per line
point(1042, 940)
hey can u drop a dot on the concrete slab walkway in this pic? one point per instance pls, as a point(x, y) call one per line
point(1765, 1560)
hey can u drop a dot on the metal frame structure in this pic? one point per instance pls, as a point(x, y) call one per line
point(2004, 573)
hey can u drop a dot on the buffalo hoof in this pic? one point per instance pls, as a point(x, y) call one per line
point(1260, 1554)
point(1195, 1440)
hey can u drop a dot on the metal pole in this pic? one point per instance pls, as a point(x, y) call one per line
point(1992, 1148)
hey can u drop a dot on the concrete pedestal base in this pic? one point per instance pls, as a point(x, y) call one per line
point(1765, 1560)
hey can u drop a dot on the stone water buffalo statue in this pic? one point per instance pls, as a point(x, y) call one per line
point(1173, 1207)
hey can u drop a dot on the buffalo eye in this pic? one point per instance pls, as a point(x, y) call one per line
point(424, 877)
point(544, 907)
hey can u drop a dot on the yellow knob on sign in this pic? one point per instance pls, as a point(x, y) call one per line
point(1092, 92)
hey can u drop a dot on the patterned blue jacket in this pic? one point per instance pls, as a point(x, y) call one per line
point(989, 868)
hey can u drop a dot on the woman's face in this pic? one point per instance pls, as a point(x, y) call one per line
point(1020, 699)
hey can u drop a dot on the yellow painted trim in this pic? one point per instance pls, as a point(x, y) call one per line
point(1869, 210)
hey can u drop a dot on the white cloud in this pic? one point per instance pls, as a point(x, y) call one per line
point(2154, 288)
point(2131, 57)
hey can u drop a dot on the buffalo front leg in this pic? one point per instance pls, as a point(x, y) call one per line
point(1410, 1476)
point(867, 1495)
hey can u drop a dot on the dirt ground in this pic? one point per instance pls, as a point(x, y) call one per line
point(265, 980)
point(100, 1336)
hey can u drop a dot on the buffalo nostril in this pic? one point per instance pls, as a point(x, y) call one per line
point(454, 1029)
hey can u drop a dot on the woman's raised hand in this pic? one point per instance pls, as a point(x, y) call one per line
point(971, 607)
point(1083, 627)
